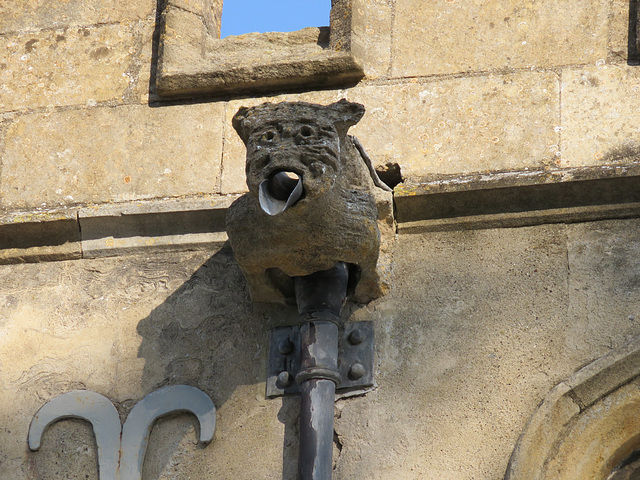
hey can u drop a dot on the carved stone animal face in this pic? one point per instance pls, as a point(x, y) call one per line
point(310, 150)
point(310, 202)
point(302, 140)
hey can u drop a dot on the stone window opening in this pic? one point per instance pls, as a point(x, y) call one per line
point(194, 61)
point(240, 17)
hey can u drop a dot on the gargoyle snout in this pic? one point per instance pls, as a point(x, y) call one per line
point(280, 191)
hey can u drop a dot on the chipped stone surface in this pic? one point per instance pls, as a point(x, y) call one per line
point(600, 115)
point(79, 65)
point(112, 154)
point(449, 36)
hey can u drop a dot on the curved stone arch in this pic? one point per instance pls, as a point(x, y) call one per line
point(586, 425)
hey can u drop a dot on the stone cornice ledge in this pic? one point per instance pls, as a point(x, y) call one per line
point(518, 198)
point(174, 224)
point(498, 200)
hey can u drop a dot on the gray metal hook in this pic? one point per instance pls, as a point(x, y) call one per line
point(167, 400)
point(92, 407)
point(129, 451)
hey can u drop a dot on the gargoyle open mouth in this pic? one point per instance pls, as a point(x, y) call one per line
point(281, 190)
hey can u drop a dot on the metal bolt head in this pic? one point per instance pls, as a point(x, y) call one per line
point(356, 371)
point(356, 337)
point(285, 347)
point(284, 379)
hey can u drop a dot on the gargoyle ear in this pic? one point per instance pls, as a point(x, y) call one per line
point(345, 115)
point(241, 124)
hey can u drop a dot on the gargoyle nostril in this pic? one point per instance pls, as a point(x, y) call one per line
point(281, 184)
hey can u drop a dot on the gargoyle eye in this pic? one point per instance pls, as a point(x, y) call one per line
point(306, 131)
point(268, 136)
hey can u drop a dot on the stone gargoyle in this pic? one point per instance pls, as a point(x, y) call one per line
point(311, 198)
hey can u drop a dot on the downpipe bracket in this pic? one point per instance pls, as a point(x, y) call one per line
point(355, 371)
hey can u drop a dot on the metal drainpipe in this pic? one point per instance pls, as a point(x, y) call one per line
point(320, 297)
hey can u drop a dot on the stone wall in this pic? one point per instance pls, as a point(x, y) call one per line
point(449, 89)
point(481, 321)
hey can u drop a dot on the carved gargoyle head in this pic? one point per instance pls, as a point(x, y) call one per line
point(310, 202)
point(293, 149)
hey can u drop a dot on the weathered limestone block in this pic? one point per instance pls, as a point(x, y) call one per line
point(208, 11)
point(637, 12)
point(619, 30)
point(310, 202)
point(600, 114)
point(371, 27)
point(453, 36)
point(68, 66)
point(145, 226)
point(111, 154)
point(604, 283)
point(38, 236)
point(193, 62)
point(43, 14)
point(462, 125)
point(477, 386)
point(468, 382)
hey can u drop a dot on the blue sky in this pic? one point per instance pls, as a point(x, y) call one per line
point(244, 16)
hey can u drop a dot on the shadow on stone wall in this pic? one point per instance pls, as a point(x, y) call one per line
point(208, 334)
point(633, 56)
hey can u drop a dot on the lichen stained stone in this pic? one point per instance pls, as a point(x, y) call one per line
point(327, 212)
